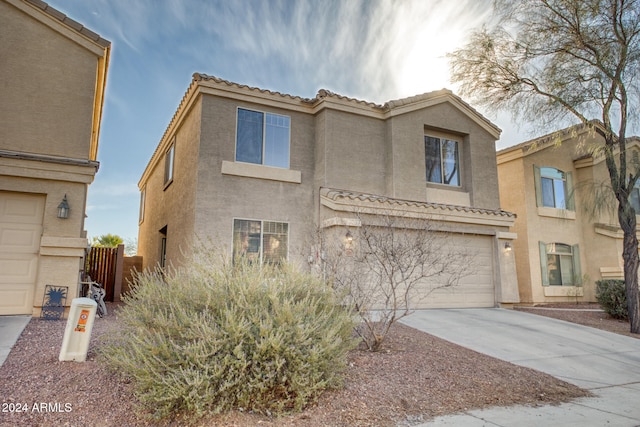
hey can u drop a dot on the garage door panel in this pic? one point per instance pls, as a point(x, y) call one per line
point(14, 300)
point(20, 237)
point(476, 289)
point(21, 208)
point(21, 218)
point(18, 268)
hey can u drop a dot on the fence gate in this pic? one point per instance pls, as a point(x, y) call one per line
point(101, 266)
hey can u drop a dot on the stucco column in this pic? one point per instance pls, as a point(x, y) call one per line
point(507, 290)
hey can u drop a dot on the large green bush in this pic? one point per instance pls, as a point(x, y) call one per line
point(612, 296)
point(216, 336)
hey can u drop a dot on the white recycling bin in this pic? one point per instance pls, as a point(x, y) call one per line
point(77, 334)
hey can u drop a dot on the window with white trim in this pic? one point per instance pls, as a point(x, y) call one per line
point(554, 188)
point(260, 241)
point(263, 138)
point(560, 264)
point(143, 194)
point(442, 160)
point(634, 197)
point(168, 163)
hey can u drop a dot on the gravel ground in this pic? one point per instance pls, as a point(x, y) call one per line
point(416, 377)
point(584, 314)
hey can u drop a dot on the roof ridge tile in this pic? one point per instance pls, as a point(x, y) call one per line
point(335, 194)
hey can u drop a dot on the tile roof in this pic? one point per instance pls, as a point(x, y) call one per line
point(551, 137)
point(336, 195)
point(199, 78)
point(74, 25)
point(324, 94)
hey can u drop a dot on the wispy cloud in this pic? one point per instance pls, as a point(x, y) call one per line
point(369, 48)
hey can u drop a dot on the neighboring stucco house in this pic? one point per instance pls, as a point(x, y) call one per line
point(551, 184)
point(258, 171)
point(52, 79)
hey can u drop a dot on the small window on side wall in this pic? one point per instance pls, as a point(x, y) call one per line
point(442, 161)
point(560, 264)
point(169, 160)
point(142, 201)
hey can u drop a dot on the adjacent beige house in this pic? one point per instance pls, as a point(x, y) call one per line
point(551, 183)
point(258, 171)
point(52, 78)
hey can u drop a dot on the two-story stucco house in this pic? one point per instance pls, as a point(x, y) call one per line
point(564, 245)
point(258, 171)
point(52, 79)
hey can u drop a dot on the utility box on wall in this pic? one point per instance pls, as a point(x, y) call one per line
point(77, 334)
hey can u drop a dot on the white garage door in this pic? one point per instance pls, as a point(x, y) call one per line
point(21, 218)
point(475, 290)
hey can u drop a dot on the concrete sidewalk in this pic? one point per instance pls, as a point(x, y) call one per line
point(607, 364)
point(10, 329)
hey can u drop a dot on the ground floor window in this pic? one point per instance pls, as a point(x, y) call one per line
point(560, 264)
point(261, 241)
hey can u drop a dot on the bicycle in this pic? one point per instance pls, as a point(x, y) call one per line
point(96, 292)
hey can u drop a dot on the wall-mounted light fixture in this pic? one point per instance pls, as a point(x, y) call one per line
point(348, 237)
point(63, 208)
point(507, 247)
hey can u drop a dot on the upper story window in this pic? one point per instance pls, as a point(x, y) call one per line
point(634, 198)
point(143, 194)
point(553, 188)
point(442, 160)
point(168, 162)
point(263, 138)
point(261, 241)
point(560, 264)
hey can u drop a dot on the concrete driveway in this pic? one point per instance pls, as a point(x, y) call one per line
point(607, 364)
point(10, 329)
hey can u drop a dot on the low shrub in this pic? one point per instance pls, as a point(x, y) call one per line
point(216, 336)
point(611, 295)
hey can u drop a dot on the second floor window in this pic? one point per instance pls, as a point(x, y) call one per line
point(553, 188)
point(553, 184)
point(168, 163)
point(263, 138)
point(442, 161)
point(634, 198)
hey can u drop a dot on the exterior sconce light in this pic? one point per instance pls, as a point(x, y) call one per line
point(348, 237)
point(63, 208)
point(507, 247)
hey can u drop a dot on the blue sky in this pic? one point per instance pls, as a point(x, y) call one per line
point(375, 50)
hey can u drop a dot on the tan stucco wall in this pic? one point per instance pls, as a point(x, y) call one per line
point(53, 73)
point(478, 173)
point(334, 143)
point(598, 252)
point(354, 152)
point(221, 197)
point(48, 96)
point(63, 240)
point(172, 205)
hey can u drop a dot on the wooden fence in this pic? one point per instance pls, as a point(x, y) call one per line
point(102, 266)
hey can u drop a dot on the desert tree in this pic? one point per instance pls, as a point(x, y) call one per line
point(556, 61)
point(389, 264)
point(107, 241)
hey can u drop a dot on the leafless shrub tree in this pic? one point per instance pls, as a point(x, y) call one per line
point(388, 265)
